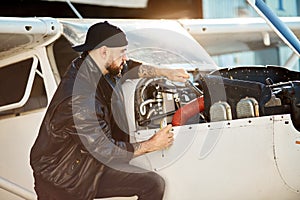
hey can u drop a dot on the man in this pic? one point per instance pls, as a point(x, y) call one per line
point(76, 154)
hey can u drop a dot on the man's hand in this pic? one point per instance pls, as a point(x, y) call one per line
point(160, 140)
point(179, 75)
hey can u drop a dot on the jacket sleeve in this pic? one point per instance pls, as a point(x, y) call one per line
point(83, 118)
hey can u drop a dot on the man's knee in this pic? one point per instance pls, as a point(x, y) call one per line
point(157, 183)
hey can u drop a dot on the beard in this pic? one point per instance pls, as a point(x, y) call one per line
point(115, 70)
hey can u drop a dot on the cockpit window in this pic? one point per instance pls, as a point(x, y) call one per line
point(63, 54)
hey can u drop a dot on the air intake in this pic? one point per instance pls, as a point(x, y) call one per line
point(220, 111)
point(247, 107)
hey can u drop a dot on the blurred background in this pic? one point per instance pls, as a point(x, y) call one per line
point(164, 9)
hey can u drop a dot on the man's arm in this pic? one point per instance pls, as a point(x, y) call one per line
point(148, 71)
point(135, 69)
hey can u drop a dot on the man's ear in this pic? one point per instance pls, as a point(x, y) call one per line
point(104, 52)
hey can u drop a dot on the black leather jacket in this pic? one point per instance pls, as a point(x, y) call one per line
point(75, 140)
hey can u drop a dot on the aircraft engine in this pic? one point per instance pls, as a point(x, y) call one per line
point(226, 94)
point(158, 99)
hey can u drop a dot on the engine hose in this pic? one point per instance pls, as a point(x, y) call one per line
point(183, 114)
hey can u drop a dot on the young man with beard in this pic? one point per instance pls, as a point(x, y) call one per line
point(76, 155)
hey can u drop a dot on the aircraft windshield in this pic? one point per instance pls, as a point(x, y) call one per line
point(167, 48)
point(163, 43)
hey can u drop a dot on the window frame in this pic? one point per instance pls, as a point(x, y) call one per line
point(29, 85)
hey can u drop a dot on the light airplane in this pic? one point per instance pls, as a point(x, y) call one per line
point(239, 140)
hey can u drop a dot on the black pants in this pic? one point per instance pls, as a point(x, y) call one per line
point(113, 183)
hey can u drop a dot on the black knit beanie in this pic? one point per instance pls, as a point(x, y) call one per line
point(102, 34)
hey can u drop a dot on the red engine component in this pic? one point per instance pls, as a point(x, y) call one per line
point(183, 114)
